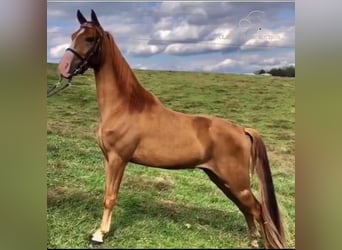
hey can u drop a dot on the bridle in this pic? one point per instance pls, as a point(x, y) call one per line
point(80, 69)
point(84, 65)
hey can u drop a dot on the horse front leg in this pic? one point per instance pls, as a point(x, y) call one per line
point(114, 169)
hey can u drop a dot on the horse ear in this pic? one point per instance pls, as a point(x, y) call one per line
point(94, 18)
point(80, 17)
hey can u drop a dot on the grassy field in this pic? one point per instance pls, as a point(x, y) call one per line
point(163, 208)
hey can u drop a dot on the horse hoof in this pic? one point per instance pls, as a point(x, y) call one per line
point(97, 239)
point(95, 242)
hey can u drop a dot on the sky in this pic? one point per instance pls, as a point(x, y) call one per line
point(228, 37)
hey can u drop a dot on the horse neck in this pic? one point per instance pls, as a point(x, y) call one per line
point(116, 85)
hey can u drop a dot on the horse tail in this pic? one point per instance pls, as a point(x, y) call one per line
point(272, 225)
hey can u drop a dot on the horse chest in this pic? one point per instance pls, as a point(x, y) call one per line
point(115, 138)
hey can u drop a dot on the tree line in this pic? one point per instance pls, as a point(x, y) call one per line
point(288, 71)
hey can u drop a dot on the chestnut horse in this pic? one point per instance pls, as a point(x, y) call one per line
point(135, 127)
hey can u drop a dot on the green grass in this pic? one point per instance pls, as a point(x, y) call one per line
point(162, 208)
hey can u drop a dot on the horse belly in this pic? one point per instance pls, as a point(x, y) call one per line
point(170, 152)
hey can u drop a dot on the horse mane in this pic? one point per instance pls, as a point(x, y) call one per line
point(137, 96)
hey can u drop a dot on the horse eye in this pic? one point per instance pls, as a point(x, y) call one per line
point(90, 39)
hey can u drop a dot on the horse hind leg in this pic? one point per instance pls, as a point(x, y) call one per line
point(245, 201)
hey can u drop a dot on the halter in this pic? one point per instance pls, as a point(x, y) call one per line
point(81, 68)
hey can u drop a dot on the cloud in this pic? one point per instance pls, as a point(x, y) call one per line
point(250, 62)
point(144, 49)
point(57, 13)
point(269, 39)
point(54, 29)
point(140, 66)
point(233, 33)
point(193, 49)
point(183, 32)
point(58, 51)
point(186, 29)
point(222, 65)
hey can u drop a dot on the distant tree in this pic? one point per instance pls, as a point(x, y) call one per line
point(285, 71)
point(276, 72)
point(259, 72)
point(288, 71)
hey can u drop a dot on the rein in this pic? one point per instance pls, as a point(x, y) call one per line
point(55, 89)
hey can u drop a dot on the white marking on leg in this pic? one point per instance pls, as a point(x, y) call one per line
point(254, 243)
point(97, 236)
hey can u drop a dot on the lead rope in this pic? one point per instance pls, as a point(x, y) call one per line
point(56, 89)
